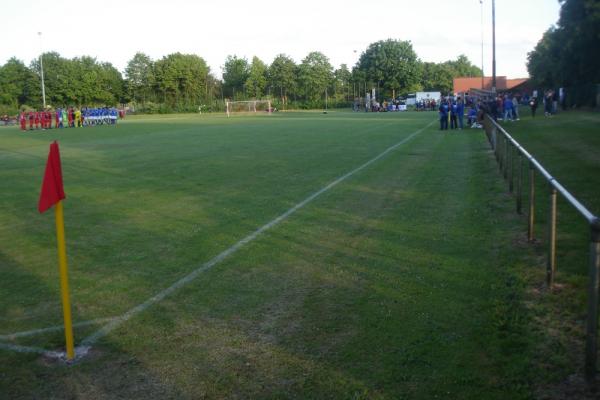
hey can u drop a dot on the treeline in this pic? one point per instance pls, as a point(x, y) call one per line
point(568, 53)
point(184, 82)
point(77, 81)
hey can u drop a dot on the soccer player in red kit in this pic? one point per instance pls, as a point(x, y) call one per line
point(36, 119)
point(71, 116)
point(49, 119)
point(56, 118)
point(31, 118)
point(23, 121)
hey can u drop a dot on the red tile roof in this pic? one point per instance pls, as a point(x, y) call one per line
point(502, 83)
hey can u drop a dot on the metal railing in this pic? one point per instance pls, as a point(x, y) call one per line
point(505, 148)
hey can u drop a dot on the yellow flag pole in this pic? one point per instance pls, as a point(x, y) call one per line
point(64, 280)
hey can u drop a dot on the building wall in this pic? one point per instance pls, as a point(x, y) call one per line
point(461, 85)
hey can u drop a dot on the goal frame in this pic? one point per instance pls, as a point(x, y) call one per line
point(251, 106)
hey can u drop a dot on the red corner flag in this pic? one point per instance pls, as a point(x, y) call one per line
point(52, 186)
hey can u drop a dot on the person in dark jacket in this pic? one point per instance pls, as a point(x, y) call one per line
point(443, 112)
point(548, 103)
point(533, 104)
point(460, 111)
point(453, 116)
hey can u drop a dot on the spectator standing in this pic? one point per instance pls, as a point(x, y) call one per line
point(533, 104)
point(507, 109)
point(548, 103)
point(453, 113)
point(460, 111)
point(515, 108)
point(443, 112)
point(499, 107)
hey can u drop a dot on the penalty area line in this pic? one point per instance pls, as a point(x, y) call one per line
point(116, 322)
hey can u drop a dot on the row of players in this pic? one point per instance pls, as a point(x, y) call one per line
point(68, 118)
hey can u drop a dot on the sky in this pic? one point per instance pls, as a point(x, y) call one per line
point(114, 30)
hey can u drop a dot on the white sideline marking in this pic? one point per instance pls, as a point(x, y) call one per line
point(29, 349)
point(80, 351)
point(116, 322)
point(12, 336)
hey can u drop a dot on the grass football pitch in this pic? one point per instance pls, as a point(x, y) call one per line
point(295, 255)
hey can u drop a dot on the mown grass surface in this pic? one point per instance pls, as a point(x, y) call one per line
point(402, 281)
point(568, 145)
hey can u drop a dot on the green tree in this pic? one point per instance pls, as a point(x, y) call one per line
point(62, 79)
point(18, 85)
point(439, 77)
point(181, 79)
point(359, 81)
point(431, 79)
point(392, 65)
point(257, 78)
point(282, 76)
point(140, 77)
point(462, 67)
point(315, 73)
point(86, 84)
point(111, 85)
point(81, 81)
point(235, 75)
point(567, 54)
point(578, 34)
point(342, 83)
point(542, 61)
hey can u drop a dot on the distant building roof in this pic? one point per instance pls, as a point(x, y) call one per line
point(462, 85)
point(511, 83)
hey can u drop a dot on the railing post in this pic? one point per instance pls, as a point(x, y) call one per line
point(551, 265)
point(510, 167)
point(500, 152)
point(496, 143)
point(531, 202)
point(591, 339)
point(505, 157)
point(520, 184)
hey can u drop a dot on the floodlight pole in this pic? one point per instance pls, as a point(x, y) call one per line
point(354, 82)
point(482, 74)
point(42, 71)
point(494, 46)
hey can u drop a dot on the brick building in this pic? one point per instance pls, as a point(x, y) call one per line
point(503, 84)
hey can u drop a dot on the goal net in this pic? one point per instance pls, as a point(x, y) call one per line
point(248, 107)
